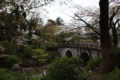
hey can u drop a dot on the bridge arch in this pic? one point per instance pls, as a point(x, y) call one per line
point(68, 54)
point(85, 57)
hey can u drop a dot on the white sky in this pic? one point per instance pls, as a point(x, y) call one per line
point(58, 10)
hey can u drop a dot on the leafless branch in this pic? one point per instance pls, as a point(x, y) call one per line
point(88, 25)
point(118, 24)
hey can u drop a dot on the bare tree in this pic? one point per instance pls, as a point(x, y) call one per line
point(114, 20)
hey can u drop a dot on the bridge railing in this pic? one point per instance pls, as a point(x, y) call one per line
point(87, 44)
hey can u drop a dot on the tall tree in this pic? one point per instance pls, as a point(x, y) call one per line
point(46, 35)
point(13, 17)
point(108, 54)
point(59, 21)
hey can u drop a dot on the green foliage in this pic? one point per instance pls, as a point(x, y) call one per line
point(59, 21)
point(61, 36)
point(75, 39)
point(9, 46)
point(94, 37)
point(51, 21)
point(46, 35)
point(4, 75)
point(95, 23)
point(27, 63)
point(51, 44)
point(11, 22)
point(64, 69)
point(51, 56)
point(9, 75)
point(43, 47)
point(28, 51)
point(115, 74)
point(118, 38)
point(11, 60)
point(41, 55)
point(117, 51)
point(92, 64)
point(69, 34)
point(1, 1)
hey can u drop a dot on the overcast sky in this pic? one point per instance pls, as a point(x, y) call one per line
point(57, 9)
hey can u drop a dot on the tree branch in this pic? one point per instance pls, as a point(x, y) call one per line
point(113, 15)
point(88, 25)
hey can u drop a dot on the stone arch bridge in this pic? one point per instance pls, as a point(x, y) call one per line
point(84, 50)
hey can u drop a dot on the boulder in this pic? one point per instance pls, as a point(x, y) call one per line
point(16, 67)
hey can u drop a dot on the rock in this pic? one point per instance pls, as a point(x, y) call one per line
point(4, 56)
point(2, 49)
point(16, 67)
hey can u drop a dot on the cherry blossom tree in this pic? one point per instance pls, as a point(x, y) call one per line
point(90, 17)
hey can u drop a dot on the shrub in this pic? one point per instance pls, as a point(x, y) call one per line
point(28, 52)
point(10, 47)
point(11, 60)
point(27, 63)
point(92, 64)
point(41, 55)
point(9, 75)
point(64, 69)
point(115, 74)
point(51, 56)
point(2, 74)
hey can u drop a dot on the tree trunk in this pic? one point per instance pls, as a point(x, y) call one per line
point(108, 54)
